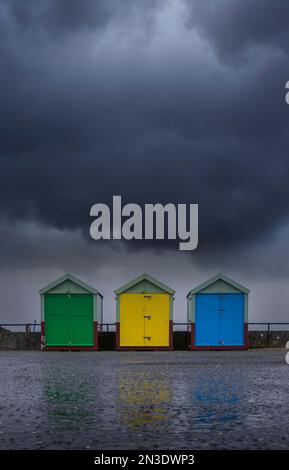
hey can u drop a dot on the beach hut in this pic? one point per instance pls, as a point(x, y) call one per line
point(144, 314)
point(218, 314)
point(71, 311)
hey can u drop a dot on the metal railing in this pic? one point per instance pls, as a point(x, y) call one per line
point(32, 327)
point(105, 327)
point(268, 327)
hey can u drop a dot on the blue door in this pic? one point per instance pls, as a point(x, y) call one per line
point(232, 319)
point(219, 320)
point(207, 322)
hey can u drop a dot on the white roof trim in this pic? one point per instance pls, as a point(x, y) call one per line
point(218, 277)
point(68, 277)
point(146, 277)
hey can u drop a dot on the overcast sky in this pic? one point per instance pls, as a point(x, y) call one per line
point(157, 101)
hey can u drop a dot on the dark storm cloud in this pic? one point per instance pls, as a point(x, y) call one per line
point(60, 17)
point(156, 118)
point(235, 26)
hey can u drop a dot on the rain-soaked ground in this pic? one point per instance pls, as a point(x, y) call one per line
point(144, 400)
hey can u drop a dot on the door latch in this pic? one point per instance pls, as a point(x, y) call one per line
point(148, 337)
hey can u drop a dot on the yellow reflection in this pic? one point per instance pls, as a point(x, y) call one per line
point(143, 401)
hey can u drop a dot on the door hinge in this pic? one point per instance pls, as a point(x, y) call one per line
point(221, 342)
point(147, 296)
point(147, 316)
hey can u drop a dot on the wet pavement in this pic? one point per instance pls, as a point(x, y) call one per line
point(144, 400)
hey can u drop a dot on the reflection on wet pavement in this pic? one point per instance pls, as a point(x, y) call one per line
point(144, 400)
point(217, 400)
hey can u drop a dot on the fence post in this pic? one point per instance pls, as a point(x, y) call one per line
point(268, 334)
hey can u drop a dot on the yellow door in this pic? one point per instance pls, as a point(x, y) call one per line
point(157, 318)
point(144, 319)
point(131, 320)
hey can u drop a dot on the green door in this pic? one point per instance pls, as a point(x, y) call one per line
point(81, 320)
point(69, 320)
point(57, 319)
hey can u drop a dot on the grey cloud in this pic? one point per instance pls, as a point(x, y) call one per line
point(150, 121)
point(64, 17)
point(234, 27)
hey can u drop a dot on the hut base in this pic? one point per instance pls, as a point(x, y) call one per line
point(94, 347)
point(242, 347)
point(145, 348)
